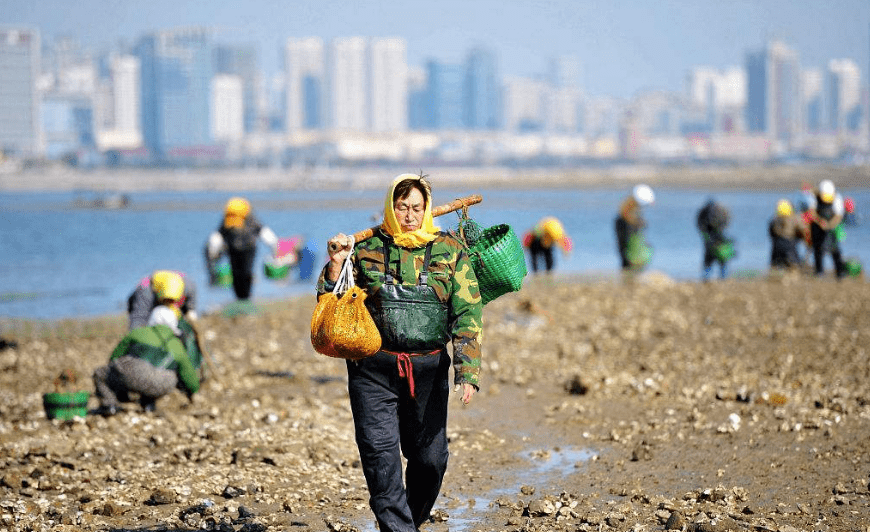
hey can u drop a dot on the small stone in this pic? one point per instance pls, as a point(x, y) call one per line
point(111, 509)
point(675, 521)
point(541, 507)
point(641, 452)
point(231, 492)
point(162, 496)
point(12, 480)
point(614, 519)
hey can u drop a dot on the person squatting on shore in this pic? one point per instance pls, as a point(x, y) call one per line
point(546, 234)
point(825, 214)
point(163, 287)
point(712, 220)
point(785, 230)
point(399, 396)
point(237, 237)
point(630, 226)
point(150, 361)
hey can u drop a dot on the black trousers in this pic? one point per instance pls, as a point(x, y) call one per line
point(242, 264)
point(824, 242)
point(784, 253)
point(537, 250)
point(389, 421)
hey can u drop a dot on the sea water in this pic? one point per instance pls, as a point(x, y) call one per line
point(60, 258)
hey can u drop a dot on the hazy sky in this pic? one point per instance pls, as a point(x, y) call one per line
point(624, 46)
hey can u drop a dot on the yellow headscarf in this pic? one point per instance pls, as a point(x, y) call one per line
point(414, 239)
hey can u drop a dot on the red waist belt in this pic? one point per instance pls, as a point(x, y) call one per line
point(406, 368)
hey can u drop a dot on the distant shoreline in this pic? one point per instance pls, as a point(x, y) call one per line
point(58, 179)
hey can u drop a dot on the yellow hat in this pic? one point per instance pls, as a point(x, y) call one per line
point(783, 208)
point(552, 231)
point(553, 228)
point(167, 285)
point(236, 211)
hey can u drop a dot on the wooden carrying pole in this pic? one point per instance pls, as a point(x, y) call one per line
point(454, 205)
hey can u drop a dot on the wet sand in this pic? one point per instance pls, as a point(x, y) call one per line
point(604, 405)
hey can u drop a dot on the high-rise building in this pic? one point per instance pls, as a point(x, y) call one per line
point(418, 100)
point(388, 85)
point(602, 117)
point(731, 88)
point(482, 91)
point(276, 103)
point(19, 102)
point(445, 88)
point(773, 93)
point(126, 94)
point(67, 124)
point(656, 113)
point(716, 97)
point(347, 84)
point(176, 73)
point(116, 109)
point(812, 100)
point(243, 61)
point(227, 108)
point(843, 94)
point(524, 104)
point(563, 98)
point(304, 75)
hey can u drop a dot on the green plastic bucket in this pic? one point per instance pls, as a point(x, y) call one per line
point(853, 267)
point(725, 251)
point(66, 406)
point(274, 271)
point(224, 275)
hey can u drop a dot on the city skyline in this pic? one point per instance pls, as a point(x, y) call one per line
point(622, 49)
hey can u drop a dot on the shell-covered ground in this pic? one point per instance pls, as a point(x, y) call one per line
point(604, 405)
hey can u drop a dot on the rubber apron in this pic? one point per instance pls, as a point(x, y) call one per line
point(410, 318)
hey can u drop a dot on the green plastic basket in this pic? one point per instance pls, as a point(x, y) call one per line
point(65, 406)
point(498, 261)
point(638, 252)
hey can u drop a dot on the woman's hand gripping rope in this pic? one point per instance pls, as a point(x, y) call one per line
point(339, 246)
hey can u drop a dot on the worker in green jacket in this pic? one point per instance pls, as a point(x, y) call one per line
point(150, 361)
point(422, 295)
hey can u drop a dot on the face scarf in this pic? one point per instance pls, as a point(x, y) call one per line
point(413, 239)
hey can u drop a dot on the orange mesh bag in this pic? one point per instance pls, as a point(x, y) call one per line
point(325, 306)
point(341, 326)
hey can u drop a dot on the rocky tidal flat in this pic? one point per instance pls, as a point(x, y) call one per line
point(604, 405)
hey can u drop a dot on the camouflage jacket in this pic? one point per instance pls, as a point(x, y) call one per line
point(451, 277)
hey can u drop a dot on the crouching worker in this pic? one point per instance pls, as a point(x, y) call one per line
point(163, 287)
point(150, 361)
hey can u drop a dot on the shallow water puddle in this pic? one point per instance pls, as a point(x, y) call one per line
point(543, 466)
